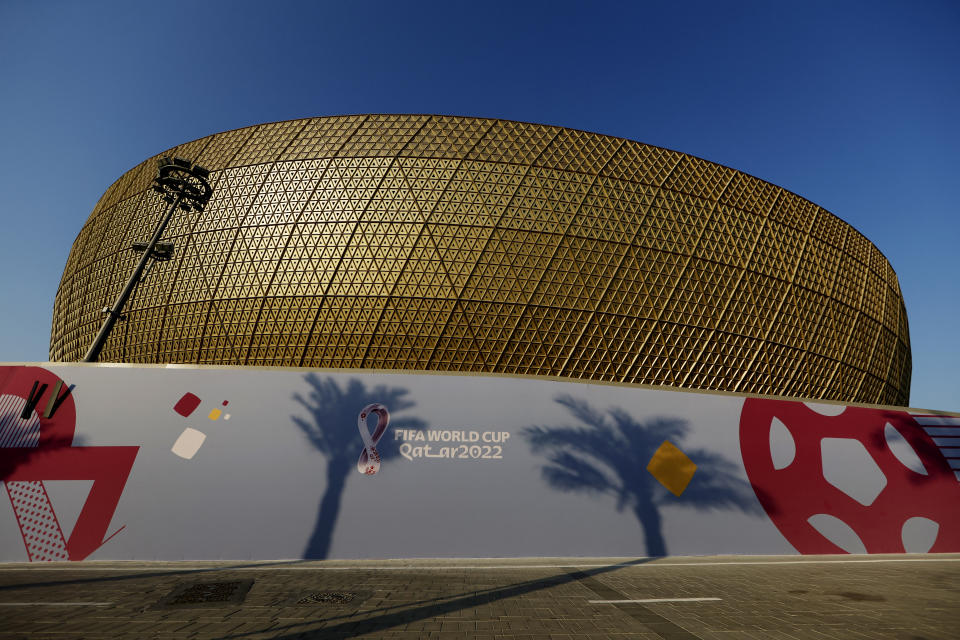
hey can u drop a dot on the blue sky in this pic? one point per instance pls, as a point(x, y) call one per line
point(852, 105)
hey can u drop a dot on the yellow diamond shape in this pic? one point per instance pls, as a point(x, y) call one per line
point(672, 468)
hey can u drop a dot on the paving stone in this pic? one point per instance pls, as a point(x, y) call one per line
point(828, 598)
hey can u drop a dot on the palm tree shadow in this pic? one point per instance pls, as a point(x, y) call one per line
point(332, 430)
point(607, 453)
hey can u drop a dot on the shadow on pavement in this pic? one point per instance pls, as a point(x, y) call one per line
point(135, 574)
point(388, 617)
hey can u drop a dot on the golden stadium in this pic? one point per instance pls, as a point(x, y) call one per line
point(442, 243)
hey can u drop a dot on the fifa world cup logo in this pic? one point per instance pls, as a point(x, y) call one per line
point(369, 461)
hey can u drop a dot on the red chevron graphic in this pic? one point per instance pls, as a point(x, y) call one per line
point(50, 455)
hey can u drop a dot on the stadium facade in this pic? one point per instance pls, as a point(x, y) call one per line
point(419, 242)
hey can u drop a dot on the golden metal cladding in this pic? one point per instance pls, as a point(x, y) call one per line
point(463, 244)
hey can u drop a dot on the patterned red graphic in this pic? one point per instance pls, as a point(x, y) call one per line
point(49, 455)
point(38, 523)
point(793, 494)
point(187, 404)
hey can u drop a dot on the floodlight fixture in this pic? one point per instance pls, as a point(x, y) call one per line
point(180, 180)
point(163, 251)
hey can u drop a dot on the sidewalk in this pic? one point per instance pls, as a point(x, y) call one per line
point(706, 598)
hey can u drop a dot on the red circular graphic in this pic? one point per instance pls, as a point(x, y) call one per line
point(793, 494)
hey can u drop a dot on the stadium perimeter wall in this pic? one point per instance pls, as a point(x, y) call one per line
point(181, 462)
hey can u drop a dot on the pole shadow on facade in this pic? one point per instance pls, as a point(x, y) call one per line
point(16, 448)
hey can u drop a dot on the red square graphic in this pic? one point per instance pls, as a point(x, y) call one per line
point(187, 404)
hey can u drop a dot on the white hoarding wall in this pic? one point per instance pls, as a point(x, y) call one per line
point(124, 462)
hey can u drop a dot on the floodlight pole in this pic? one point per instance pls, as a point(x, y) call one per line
point(184, 187)
point(115, 312)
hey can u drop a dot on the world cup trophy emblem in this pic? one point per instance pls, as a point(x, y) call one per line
point(369, 461)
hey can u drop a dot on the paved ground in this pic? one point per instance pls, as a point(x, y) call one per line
point(837, 597)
